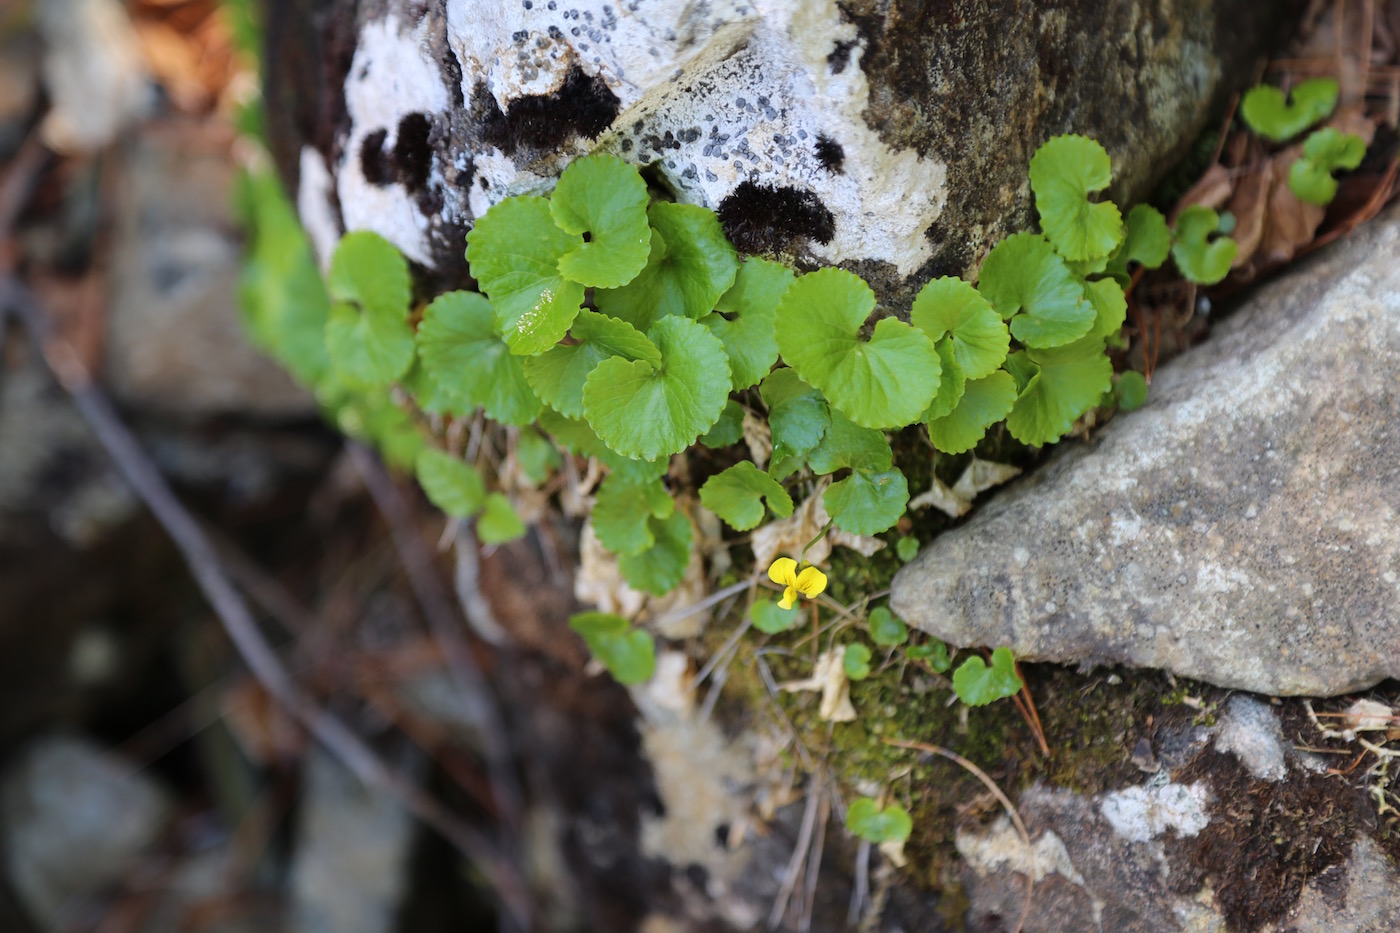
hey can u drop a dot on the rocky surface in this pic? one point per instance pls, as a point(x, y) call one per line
point(893, 137)
point(1201, 845)
point(1240, 529)
point(76, 819)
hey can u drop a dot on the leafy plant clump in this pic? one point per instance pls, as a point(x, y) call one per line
point(1280, 119)
point(628, 329)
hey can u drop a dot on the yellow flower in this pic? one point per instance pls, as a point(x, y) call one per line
point(809, 582)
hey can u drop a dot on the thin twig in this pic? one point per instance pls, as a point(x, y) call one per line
point(686, 612)
point(860, 891)
point(799, 853)
point(814, 865)
point(228, 604)
point(1004, 800)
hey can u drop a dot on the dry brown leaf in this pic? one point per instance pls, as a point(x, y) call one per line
point(1212, 191)
point(1290, 223)
point(759, 438)
point(1249, 205)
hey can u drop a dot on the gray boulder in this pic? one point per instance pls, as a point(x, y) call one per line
point(888, 136)
point(1239, 529)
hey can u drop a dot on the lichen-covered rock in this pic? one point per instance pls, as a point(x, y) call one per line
point(1240, 529)
point(892, 137)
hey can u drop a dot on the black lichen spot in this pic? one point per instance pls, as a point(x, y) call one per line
point(830, 154)
point(372, 162)
point(840, 56)
point(413, 154)
point(764, 218)
point(583, 106)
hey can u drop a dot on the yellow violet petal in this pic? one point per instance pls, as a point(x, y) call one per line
point(783, 571)
point(811, 582)
point(789, 596)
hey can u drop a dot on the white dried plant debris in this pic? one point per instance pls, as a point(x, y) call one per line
point(710, 542)
point(777, 778)
point(828, 678)
point(94, 72)
point(599, 582)
point(940, 497)
point(670, 694)
point(975, 479)
point(893, 850)
point(1368, 716)
point(758, 437)
point(786, 537)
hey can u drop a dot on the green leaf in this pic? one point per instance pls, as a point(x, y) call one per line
point(558, 374)
point(1033, 288)
point(907, 547)
point(373, 417)
point(690, 266)
point(798, 416)
point(1268, 113)
point(1132, 391)
point(451, 483)
point(935, 653)
point(737, 495)
point(536, 456)
point(644, 411)
point(498, 522)
point(514, 251)
point(950, 306)
point(1200, 259)
point(1148, 241)
point(847, 444)
point(855, 661)
point(885, 627)
point(578, 438)
point(623, 511)
point(866, 820)
point(658, 569)
point(743, 319)
point(1324, 152)
point(886, 381)
point(465, 357)
point(603, 199)
point(729, 429)
point(867, 503)
point(367, 334)
point(950, 386)
point(1064, 170)
point(1070, 381)
point(768, 617)
point(985, 401)
point(976, 684)
point(1110, 306)
point(628, 653)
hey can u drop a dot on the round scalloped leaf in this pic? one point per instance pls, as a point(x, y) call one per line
point(1064, 170)
point(1201, 259)
point(866, 820)
point(1132, 390)
point(1028, 284)
point(886, 381)
point(536, 456)
point(558, 374)
point(1148, 241)
point(661, 567)
point(855, 661)
point(690, 266)
point(1110, 306)
point(934, 654)
point(623, 511)
point(1069, 381)
point(906, 548)
point(646, 412)
point(466, 358)
point(498, 522)
point(1324, 152)
point(886, 628)
point(628, 653)
point(770, 618)
point(950, 306)
point(950, 386)
point(451, 483)
point(1267, 112)
point(367, 334)
point(737, 496)
point(743, 319)
point(867, 503)
point(847, 444)
point(729, 429)
point(603, 199)
point(985, 401)
point(798, 416)
point(976, 684)
point(514, 251)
